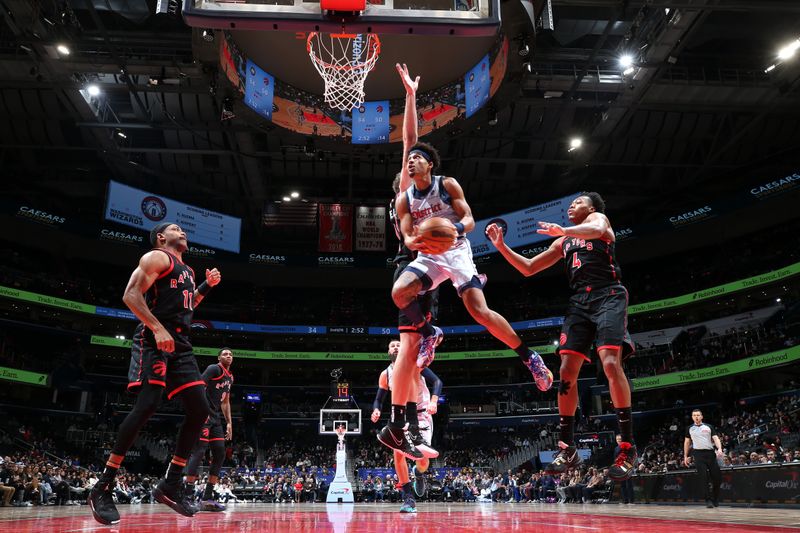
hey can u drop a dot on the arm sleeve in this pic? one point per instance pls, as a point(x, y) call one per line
point(432, 380)
point(211, 372)
point(379, 396)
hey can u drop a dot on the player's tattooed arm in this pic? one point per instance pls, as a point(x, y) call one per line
point(459, 203)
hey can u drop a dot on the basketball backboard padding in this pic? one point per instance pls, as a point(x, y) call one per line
point(427, 17)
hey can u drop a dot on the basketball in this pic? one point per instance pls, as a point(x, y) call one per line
point(438, 234)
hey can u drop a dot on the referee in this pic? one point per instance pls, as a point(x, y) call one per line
point(703, 439)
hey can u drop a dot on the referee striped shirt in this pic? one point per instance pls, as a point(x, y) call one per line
point(701, 436)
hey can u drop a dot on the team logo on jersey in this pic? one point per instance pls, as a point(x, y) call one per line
point(206, 432)
point(562, 340)
point(154, 208)
point(160, 368)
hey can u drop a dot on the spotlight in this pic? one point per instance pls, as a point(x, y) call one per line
point(93, 90)
point(770, 68)
point(789, 50)
point(777, 300)
point(287, 199)
point(121, 134)
point(227, 109)
point(628, 71)
point(208, 35)
point(626, 61)
point(575, 143)
point(492, 117)
point(63, 49)
point(295, 194)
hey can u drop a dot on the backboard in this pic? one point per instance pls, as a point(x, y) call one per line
point(427, 17)
point(330, 419)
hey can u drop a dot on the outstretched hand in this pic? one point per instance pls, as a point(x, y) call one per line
point(495, 234)
point(410, 85)
point(547, 228)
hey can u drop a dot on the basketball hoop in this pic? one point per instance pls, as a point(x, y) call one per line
point(344, 60)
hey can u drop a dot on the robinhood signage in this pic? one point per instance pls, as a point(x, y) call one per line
point(23, 376)
point(758, 362)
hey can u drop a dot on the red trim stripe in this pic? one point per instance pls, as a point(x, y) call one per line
point(216, 439)
point(133, 384)
point(185, 386)
point(171, 264)
point(609, 347)
point(573, 352)
point(156, 382)
point(407, 328)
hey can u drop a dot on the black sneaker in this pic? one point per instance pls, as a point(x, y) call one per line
point(419, 442)
point(398, 439)
point(715, 502)
point(566, 458)
point(102, 504)
point(420, 487)
point(709, 504)
point(625, 463)
point(175, 497)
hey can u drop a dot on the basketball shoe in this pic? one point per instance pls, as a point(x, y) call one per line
point(419, 442)
point(102, 504)
point(399, 439)
point(409, 505)
point(427, 347)
point(541, 374)
point(420, 487)
point(175, 497)
point(625, 462)
point(566, 458)
point(212, 506)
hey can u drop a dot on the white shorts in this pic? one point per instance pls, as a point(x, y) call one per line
point(425, 426)
point(455, 264)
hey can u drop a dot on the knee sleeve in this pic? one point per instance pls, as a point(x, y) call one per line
point(217, 457)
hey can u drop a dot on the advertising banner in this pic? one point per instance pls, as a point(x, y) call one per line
point(370, 229)
point(335, 228)
point(749, 364)
point(23, 376)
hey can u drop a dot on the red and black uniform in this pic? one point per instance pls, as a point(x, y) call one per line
point(218, 382)
point(598, 309)
point(170, 299)
point(429, 301)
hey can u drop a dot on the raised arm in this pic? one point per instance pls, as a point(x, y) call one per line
point(527, 267)
point(595, 226)
point(410, 125)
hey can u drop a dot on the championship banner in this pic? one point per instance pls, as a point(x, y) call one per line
point(370, 229)
point(23, 376)
point(335, 228)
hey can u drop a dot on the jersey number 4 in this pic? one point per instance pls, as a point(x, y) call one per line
point(576, 263)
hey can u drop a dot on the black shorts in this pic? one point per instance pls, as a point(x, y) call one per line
point(174, 371)
point(428, 302)
point(212, 430)
point(598, 316)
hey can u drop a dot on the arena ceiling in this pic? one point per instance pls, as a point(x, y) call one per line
point(697, 117)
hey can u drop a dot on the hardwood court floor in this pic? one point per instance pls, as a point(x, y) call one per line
point(431, 518)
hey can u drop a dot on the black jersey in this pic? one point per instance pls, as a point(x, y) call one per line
point(171, 296)
point(404, 255)
point(590, 263)
point(218, 387)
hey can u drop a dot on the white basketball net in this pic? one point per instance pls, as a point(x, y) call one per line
point(344, 60)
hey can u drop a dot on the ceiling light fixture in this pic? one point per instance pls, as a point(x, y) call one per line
point(626, 61)
point(575, 143)
point(63, 49)
point(93, 90)
point(295, 194)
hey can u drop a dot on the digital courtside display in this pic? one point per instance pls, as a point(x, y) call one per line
point(259, 90)
point(371, 123)
point(143, 210)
